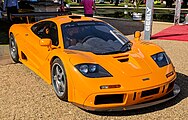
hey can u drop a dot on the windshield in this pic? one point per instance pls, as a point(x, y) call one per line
point(95, 37)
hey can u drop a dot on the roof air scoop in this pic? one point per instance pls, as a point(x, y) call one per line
point(75, 17)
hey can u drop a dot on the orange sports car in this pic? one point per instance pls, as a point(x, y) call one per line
point(92, 65)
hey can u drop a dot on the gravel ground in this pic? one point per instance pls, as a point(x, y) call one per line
point(24, 95)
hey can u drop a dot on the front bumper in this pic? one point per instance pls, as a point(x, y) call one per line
point(165, 98)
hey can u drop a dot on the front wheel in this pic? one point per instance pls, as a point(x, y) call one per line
point(13, 48)
point(59, 81)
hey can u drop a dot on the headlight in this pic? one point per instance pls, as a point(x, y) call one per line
point(92, 70)
point(84, 69)
point(161, 59)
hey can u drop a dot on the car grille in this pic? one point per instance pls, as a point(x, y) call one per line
point(150, 92)
point(140, 95)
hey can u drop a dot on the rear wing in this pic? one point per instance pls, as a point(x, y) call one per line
point(36, 16)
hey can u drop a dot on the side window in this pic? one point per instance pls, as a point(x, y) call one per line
point(46, 29)
point(38, 29)
point(54, 34)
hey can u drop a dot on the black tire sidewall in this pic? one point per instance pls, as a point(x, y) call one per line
point(64, 97)
point(16, 59)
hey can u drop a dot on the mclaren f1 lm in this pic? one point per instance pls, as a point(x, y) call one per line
point(92, 65)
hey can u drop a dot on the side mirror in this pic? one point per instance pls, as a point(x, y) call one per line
point(45, 42)
point(137, 36)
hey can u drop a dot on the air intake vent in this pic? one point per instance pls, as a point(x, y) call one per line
point(170, 86)
point(150, 92)
point(122, 58)
point(75, 17)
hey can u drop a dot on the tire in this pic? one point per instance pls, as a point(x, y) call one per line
point(13, 48)
point(59, 80)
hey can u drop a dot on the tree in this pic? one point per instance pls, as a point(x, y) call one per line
point(137, 5)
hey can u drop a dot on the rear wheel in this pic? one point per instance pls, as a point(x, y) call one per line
point(13, 48)
point(59, 81)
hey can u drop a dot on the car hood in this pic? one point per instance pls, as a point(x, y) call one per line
point(130, 63)
point(133, 70)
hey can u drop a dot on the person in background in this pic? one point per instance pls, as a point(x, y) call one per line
point(11, 6)
point(116, 2)
point(1, 2)
point(62, 6)
point(1, 9)
point(89, 6)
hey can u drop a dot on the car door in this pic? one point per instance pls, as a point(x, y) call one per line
point(38, 54)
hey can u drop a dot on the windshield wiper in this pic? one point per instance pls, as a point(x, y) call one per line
point(107, 53)
point(125, 47)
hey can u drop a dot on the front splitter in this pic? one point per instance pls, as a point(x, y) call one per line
point(167, 97)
